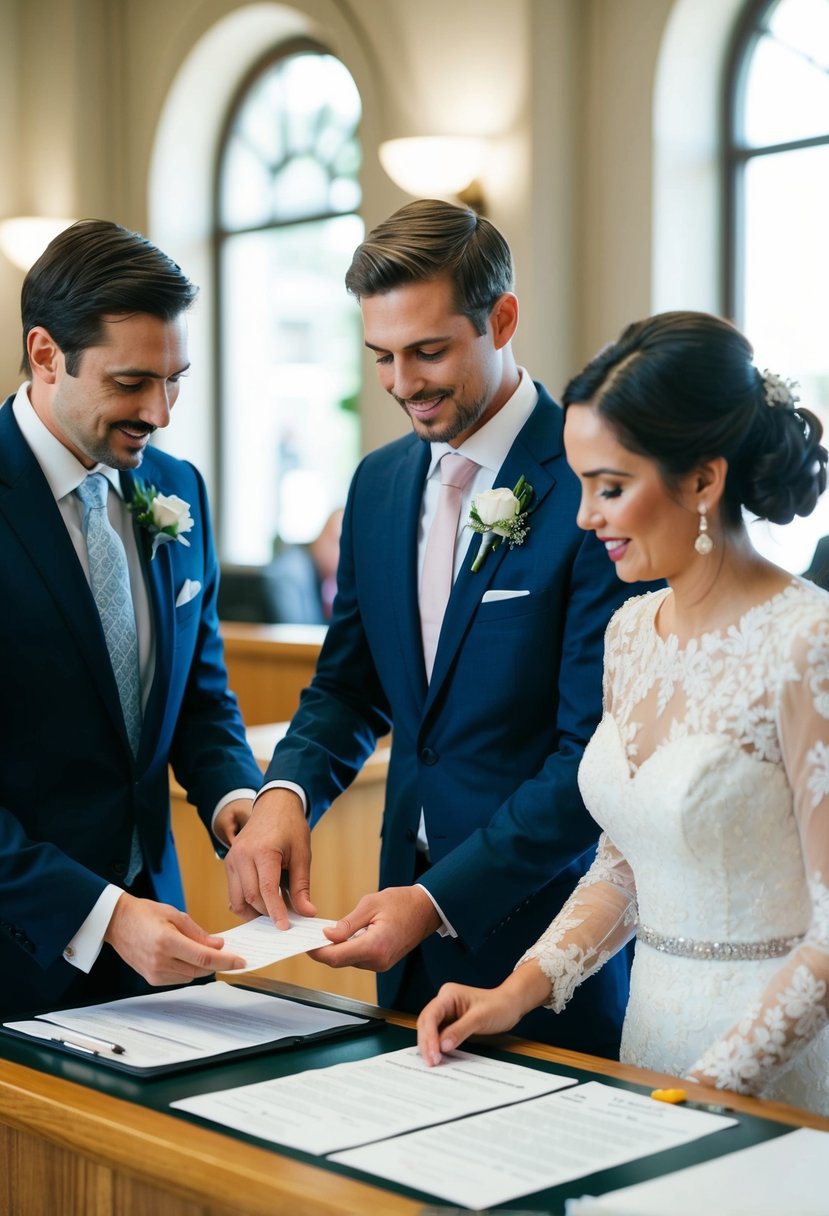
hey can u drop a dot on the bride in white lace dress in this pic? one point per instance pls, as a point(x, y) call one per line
point(709, 772)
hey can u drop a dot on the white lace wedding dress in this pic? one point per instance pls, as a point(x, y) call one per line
point(709, 774)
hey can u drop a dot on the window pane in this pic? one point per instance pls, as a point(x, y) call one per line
point(787, 305)
point(787, 87)
point(292, 140)
point(245, 188)
point(290, 430)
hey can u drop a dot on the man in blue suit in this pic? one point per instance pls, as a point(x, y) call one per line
point(90, 892)
point(484, 833)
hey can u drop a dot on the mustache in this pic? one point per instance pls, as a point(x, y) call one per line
point(143, 428)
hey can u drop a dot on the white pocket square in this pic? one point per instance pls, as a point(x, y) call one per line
point(489, 596)
point(190, 588)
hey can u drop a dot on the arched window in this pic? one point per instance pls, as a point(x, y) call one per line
point(777, 246)
point(288, 336)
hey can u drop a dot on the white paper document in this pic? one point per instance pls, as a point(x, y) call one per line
point(504, 1154)
point(184, 1024)
point(781, 1177)
point(260, 943)
point(326, 1109)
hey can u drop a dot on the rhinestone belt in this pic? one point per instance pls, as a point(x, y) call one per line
point(687, 947)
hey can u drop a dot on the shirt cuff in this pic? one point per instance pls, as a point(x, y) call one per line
point(231, 797)
point(85, 946)
point(288, 785)
point(444, 928)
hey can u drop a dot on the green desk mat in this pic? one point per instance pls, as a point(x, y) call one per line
point(159, 1092)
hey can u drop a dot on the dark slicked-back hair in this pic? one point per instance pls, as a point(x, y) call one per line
point(430, 239)
point(681, 388)
point(93, 270)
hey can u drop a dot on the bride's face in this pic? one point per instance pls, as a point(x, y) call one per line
point(647, 529)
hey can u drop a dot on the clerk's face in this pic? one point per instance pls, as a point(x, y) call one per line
point(448, 378)
point(122, 389)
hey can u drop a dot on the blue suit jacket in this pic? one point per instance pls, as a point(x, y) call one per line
point(70, 788)
point(490, 747)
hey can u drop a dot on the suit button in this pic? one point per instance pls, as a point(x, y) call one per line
point(119, 868)
point(428, 756)
point(410, 835)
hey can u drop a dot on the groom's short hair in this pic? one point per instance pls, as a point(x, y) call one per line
point(431, 239)
point(92, 270)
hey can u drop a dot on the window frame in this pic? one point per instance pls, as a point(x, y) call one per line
point(737, 154)
point(219, 234)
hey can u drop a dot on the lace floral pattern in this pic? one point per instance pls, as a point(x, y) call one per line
point(594, 931)
point(709, 774)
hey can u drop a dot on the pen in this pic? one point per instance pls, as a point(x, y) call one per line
point(115, 1048)
point(89, 1051)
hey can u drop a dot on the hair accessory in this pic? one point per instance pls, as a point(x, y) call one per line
point(703, 544)
point(779, 392)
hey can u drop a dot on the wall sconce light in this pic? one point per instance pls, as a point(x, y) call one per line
point(24, 237)
point(429, 165)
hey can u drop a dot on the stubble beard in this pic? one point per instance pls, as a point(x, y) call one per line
point(439, 430)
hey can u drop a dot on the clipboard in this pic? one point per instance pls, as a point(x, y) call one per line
point(76, 1032)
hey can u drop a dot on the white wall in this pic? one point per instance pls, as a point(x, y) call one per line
point(566, 90)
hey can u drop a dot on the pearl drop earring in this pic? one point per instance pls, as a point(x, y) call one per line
point(703, 543)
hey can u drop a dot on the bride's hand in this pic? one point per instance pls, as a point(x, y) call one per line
point(457, 1012)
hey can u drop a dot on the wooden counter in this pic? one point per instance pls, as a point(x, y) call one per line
point(346, 851)
point(70, 1150)
point(269, 665)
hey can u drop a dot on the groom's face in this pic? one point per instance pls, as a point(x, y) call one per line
point(448, 378)
point(121, 390)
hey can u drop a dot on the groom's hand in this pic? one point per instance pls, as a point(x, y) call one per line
point(387, 925)
point(274, 840)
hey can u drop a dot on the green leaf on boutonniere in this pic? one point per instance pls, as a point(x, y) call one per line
point(161, 517)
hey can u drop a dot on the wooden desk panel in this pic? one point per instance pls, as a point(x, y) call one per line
point(269, 665)
point(346, 852)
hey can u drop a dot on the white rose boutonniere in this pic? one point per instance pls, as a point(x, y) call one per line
point(500, 514)
point(162, 517)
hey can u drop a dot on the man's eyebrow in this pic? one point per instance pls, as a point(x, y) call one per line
point(414, 345)
point(145, 373)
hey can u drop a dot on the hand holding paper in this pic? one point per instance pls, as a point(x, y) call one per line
point(381, 929)
point(163, 944)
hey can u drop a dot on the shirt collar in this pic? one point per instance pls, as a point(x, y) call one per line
point(63, 471)
point(488, 446)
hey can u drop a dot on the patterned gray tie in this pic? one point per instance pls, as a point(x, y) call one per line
point(110, 581)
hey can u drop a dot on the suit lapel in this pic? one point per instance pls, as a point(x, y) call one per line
point(408, 482)
point(32, 513)
point(538, 443)
point(158, 575)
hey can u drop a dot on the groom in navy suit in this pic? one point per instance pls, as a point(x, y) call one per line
point(484, 833)
point(90, 891)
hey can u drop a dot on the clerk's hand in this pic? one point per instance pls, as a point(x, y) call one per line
point(275, 841)
point(387, 924)
point(165, 945)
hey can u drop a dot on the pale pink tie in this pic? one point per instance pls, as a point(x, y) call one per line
point(439, 560)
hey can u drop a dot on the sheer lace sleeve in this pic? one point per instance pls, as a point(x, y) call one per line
point(596, 921)
point(794, 1006)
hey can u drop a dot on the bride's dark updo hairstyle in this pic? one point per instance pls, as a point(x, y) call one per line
point(681, 388)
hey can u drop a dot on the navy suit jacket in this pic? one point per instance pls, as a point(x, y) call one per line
point(490, 747)
point(70, 788)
